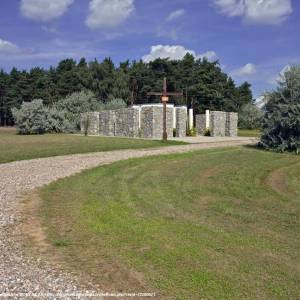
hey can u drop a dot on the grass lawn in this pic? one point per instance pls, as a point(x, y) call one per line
point(19, 147)
point(249, 132)
point(213, 224)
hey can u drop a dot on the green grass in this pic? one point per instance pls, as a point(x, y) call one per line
point(20, 147)
point(249, 132)
point(213, 224)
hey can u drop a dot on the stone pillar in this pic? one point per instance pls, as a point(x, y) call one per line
point(152, 121)
point(181, 121)
point(218, 122)
point(191, 118)
point(231, 124)
point(107, 122)
point(93, 123)
point(201, 124)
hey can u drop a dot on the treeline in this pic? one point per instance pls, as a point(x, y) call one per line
point(203, 83)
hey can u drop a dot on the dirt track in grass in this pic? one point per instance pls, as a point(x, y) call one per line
point(20, 273)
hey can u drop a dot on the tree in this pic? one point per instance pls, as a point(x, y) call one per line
point(203, 83)
point(281, 121)
point(3, 98)
point(250, 117)
point(244, 95)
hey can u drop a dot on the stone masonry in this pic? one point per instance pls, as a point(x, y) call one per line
point(181, 121)
point(152, 122)
point(120, 122)
point(93, 123)
point(201, 124)
point(218, 123)
point(145, 121)
point(231, 124)
point(127, 122)
point(221, 123)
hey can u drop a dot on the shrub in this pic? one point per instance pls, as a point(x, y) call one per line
point(250, 117)
point(207, 132)
point(31, 118)
point(192, 132)
point(281, 121)
point(75, 104)
point(114, 104)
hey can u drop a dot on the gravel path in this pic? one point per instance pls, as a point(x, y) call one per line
point(20, 274)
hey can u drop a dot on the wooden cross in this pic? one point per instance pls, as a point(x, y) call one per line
point(164, 99)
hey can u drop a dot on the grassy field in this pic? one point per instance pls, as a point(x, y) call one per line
point(213, 224)
point(249, 132)
point(20, 147)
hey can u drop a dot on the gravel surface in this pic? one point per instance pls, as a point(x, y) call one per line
point(20, 274)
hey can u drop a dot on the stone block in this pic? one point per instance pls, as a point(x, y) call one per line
point(217, 123)
point(201, 124)
point(181, 121)
point(152, 122)
point(231, 124)
point(93, 123)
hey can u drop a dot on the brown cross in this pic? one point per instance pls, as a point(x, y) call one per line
point(164, 99)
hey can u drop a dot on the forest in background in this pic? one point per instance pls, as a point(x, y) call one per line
point(203, 83)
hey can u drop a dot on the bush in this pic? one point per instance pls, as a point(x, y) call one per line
point(192, 132)
point(65, 116)
point(281, 121)
point(57, 121)
point(250, 117)
point(114, 104)
point(31, 118)
point(74, 105)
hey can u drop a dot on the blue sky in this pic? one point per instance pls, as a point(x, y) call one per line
point(253, 39)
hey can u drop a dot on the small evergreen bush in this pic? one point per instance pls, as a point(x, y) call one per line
point(281, 121)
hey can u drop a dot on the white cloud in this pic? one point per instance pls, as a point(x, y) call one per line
point(175, 14)
point(7, 47)
point(109, 13)
point(257, 11)
point(44, 10)
point(246, 70)
point(174, 53)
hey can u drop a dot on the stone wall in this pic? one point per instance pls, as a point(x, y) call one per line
point(152, 122)
point(231, 124)
point(93, 123)
point(107, 121)
point(221, 123)
point(120, 122)
point(201, 124)
point(145, 121)
point(218, 123)
point(127, 122)
point(181, 121)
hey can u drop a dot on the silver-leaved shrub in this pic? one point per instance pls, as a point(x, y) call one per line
point(31, 117)
point(250, 117)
